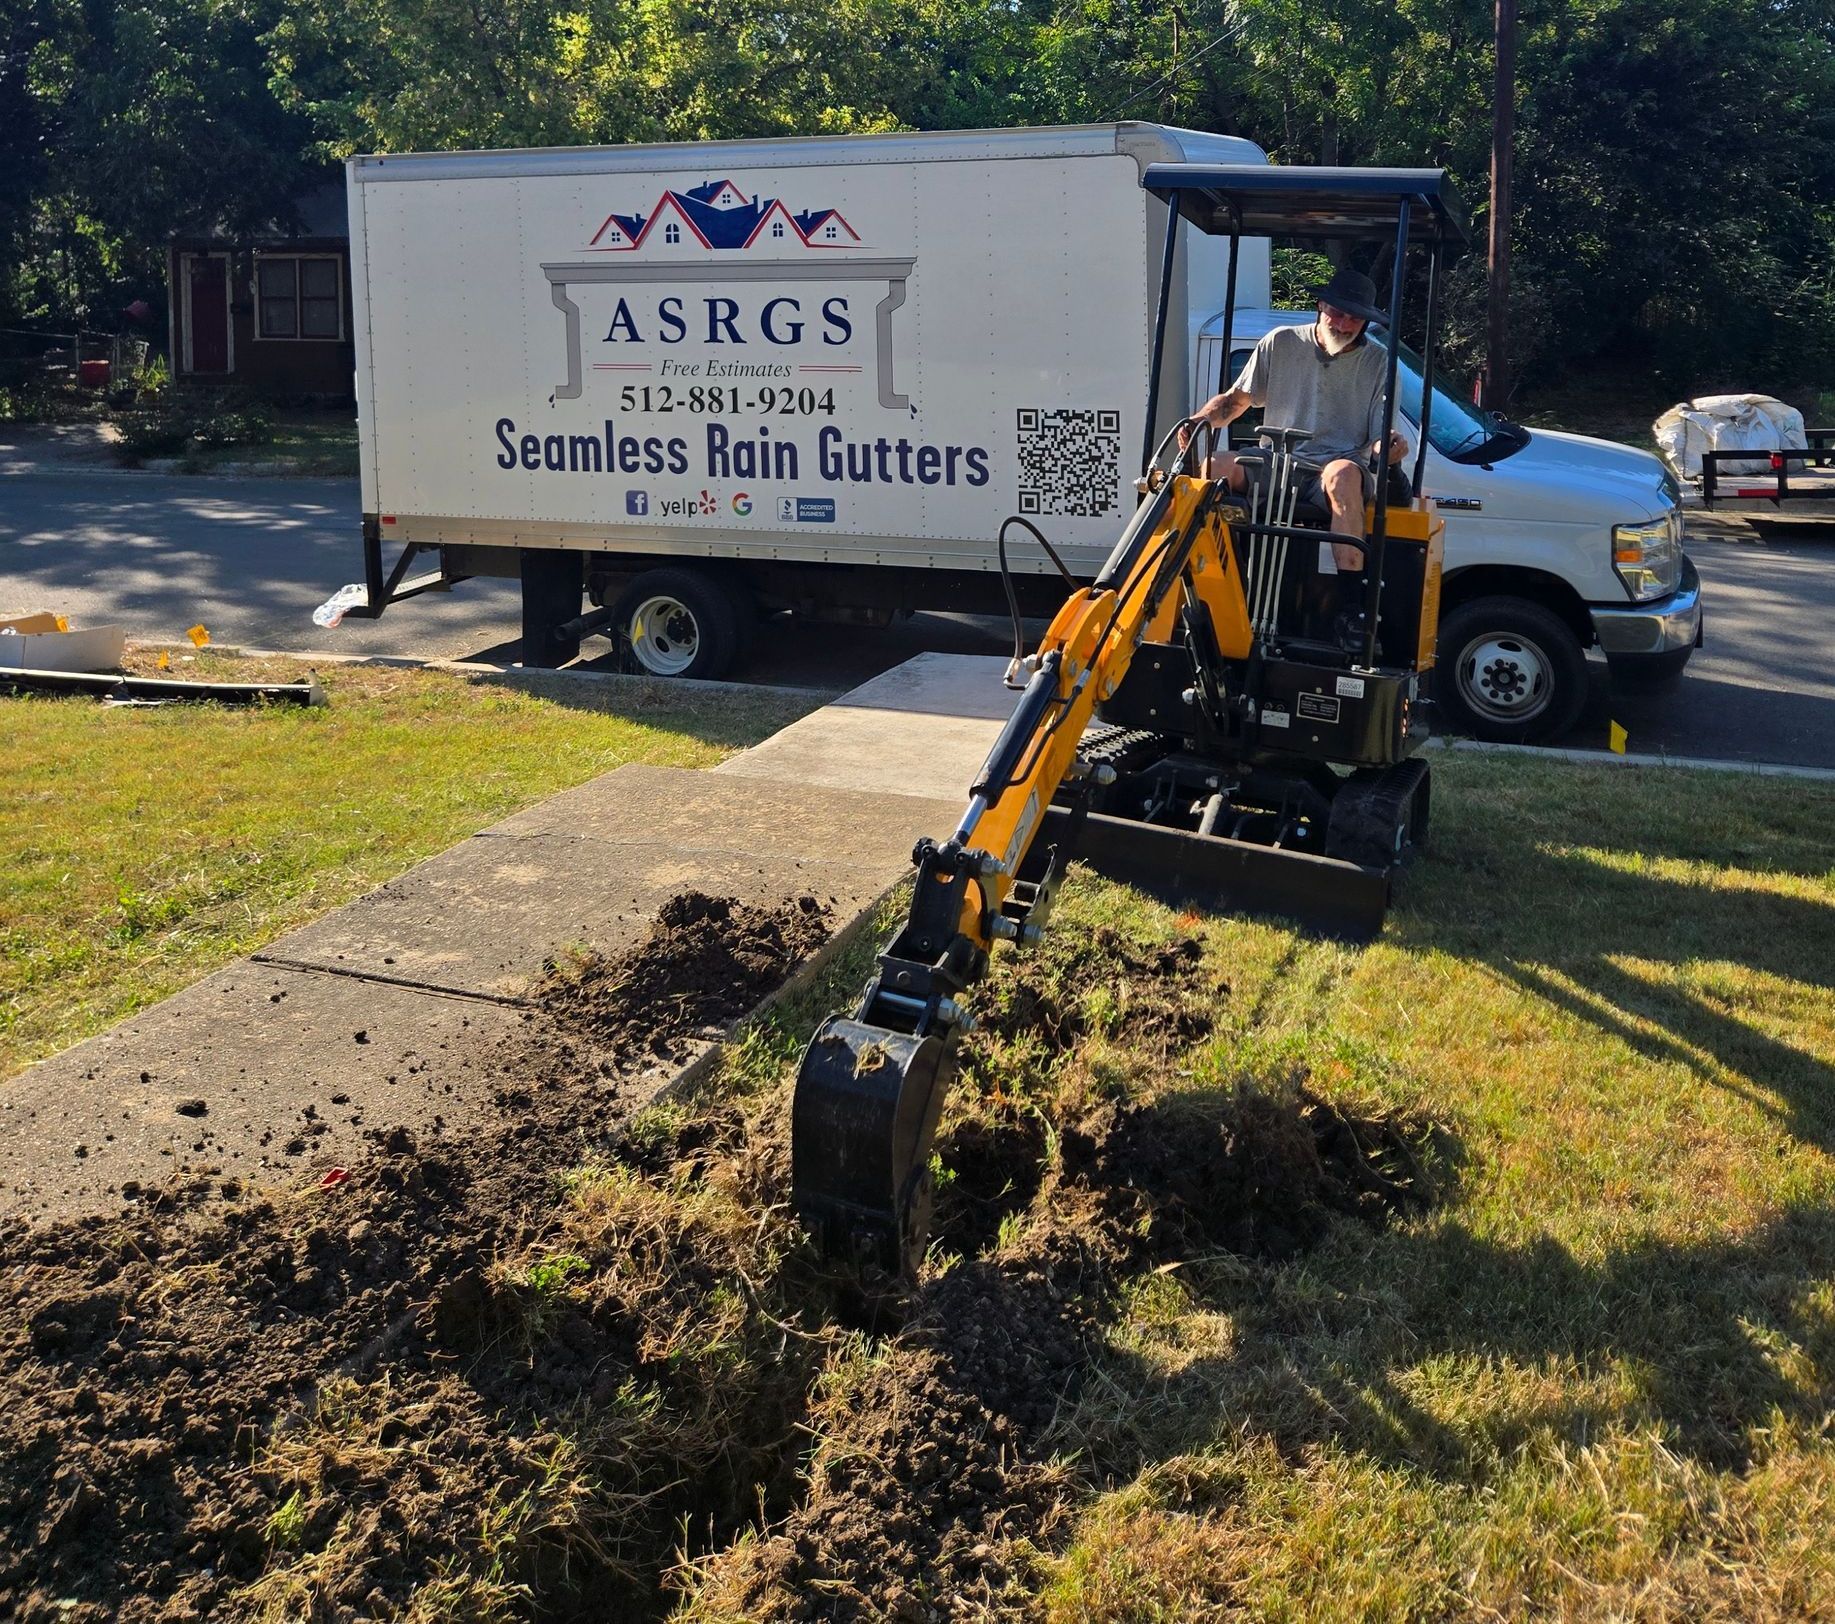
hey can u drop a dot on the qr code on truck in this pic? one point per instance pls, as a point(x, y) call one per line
point(1069, 461)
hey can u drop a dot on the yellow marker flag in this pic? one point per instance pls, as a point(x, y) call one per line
point(1616, 739)
point(199, 636)
point(165, 660)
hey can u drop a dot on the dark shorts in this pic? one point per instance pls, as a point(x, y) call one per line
point(1312, 491)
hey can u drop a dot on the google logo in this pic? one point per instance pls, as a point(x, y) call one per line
point(742, 503)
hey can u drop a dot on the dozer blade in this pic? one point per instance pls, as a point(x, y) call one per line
point(1322, 894)
point(865, 1112)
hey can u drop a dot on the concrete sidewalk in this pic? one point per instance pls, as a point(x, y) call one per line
point(393, 1009)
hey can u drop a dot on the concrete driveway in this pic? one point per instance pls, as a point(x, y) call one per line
point(252, 558)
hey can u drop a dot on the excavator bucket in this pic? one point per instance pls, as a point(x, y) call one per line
point(862, 1120)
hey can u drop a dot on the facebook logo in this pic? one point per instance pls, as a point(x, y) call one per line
point(637, 504)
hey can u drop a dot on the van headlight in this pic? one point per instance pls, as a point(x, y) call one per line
point(1648, 556)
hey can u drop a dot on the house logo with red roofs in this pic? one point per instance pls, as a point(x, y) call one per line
point(721, 215)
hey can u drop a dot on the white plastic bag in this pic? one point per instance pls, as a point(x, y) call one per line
point(1728, 423)
point(332, 610)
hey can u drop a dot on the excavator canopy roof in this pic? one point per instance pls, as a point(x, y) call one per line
point(1312, 203)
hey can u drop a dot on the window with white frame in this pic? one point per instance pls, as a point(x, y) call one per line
point(298, 296)
point(672, 232)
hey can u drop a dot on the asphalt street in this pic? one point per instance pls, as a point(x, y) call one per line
point(251, 558)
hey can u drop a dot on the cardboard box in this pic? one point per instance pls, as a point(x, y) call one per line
point(34, 643)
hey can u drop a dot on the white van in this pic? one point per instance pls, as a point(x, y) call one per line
point(1555, 543)
point(697, 381)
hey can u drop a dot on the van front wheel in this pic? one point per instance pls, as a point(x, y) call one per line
point(1510, 671)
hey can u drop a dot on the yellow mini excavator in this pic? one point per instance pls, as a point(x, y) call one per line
point(1195, 721)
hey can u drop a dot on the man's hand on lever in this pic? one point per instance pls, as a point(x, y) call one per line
point(1215, 413)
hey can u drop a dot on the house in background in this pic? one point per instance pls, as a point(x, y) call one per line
point(268, 312)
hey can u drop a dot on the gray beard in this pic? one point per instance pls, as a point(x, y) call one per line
point(1331, 343)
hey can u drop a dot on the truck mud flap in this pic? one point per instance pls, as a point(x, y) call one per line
point(1321, 894)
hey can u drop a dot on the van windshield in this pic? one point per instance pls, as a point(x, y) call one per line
point(1460, 432)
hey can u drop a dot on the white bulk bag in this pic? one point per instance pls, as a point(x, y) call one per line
point(1728, 423)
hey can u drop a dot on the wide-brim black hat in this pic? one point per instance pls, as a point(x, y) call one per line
point(1353, 293)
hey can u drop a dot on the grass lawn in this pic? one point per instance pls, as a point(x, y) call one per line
point(1593, 1376)
point(141, 849)
point(1597, 1379)
point(320, 444)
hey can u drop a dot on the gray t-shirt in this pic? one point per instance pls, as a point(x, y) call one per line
point(1338, 397)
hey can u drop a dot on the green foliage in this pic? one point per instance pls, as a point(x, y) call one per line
point(1674, 161)
point(175, 423)
point(549, 1277)
point(1293, 273)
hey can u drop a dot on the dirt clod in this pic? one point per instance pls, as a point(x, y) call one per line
point(707, 960)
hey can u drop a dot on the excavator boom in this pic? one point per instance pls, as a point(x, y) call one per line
point(871, 1087)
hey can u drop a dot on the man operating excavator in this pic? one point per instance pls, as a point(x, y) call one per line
point(1324, 378)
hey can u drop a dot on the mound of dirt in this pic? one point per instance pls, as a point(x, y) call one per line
point(915, 1493)
point(1256, 1173)
point(188, 1402)
point(707, 960)
point(1155, 996)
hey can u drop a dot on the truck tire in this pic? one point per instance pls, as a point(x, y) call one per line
point(678, 623)
point(1510, 671)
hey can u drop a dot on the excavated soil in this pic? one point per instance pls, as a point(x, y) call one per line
point(434, 1389)
point(708, 960)
point(156, 1369)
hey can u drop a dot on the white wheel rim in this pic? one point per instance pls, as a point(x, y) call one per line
point(1505, 677)
point(665, 636)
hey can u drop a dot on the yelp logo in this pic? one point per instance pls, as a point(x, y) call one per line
point(742, 503)
point(707, 504)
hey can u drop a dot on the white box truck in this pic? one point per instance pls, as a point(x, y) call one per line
point(692, 382)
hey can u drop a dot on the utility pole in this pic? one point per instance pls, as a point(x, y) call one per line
point(1503, 135)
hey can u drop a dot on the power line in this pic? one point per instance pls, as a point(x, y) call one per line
point(1165, 79)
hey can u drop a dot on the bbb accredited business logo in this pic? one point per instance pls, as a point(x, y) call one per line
point(637, 504)
point(742, 503)
point(806, 510)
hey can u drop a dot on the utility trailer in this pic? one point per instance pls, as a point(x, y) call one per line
point(1734, 504)
point(686, 383)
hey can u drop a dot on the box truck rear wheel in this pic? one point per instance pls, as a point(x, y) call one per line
point(679, 623)
point(1510, 671)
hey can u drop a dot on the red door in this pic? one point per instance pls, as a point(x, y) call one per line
point(209, 301)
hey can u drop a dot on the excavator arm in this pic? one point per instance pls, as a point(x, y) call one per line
point(871, 1086)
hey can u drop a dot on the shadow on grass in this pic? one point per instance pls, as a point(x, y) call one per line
point(1679, 1336)
point(1689, 1336)
point(1659, 963)
point(726, 715)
